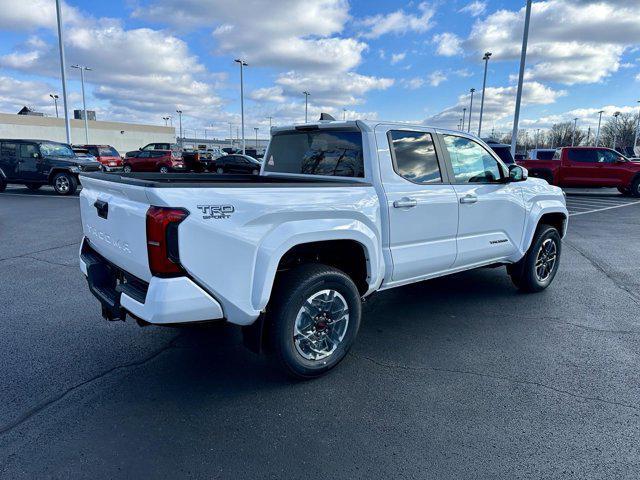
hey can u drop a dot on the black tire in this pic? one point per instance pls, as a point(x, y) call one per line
point(64, 183)
point(635, 188)
point(3, 184)
point(624, 191)
point(524, 274)
point(33, 186)
point(292, 290)
point(127, 169)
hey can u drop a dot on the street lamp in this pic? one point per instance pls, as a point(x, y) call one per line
point(464, 116)
point(573, 134)
point(55, 101)
point(63, 72)
point(615, 128)
point(523, 59)
point(179, 112)
point(486, 57)
point(635, 137)
point(470, 109)
point(344, 114)
point(242, 64)
point(231, 135)
point(256, 129)
point(166, 119)
point(460, 124)
point(306, 104)
point(599, 122)
point(82, 69)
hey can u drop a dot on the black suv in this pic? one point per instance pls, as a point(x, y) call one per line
point(42, 162)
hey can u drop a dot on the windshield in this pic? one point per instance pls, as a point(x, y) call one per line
point(318, 152)
point(107, 152)
point(56, 150)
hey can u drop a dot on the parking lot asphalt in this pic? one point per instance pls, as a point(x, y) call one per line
point(459, 377)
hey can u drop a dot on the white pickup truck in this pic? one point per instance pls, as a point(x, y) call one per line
point(339, 211)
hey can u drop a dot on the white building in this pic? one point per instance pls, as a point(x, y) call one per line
point(123, 136)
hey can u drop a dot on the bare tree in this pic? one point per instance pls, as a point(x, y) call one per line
point(561, 135)
point(623, 130)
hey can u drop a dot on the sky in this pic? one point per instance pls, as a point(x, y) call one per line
point(388, 60)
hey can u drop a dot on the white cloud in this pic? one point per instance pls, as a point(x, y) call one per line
point(32, 14)
point(269, 94)
point(448, 44)
point(570, 41)
point(436, 78)
point(346, 89)
point(413, 83)
point(475, 9)
point(399, 22)
point(499, 104)
point(397, 57)
point(587, 117)
point(638, 77)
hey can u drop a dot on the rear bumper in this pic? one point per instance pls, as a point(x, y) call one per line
point(161, 301)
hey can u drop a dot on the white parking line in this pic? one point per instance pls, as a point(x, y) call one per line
point(603, 209)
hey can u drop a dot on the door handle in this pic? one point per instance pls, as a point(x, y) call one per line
point(405, 202)
point(469, 198)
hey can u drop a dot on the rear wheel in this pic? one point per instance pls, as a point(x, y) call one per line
point(126, 169)
point(624, 191)
point(65, 184)
point(219, 171)
point(537, 269)
point(3, 184)
point(33, 186)
point(164, 169)
point(635, 188)
point(313, 319)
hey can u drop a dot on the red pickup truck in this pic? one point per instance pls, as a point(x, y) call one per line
point(587, 167)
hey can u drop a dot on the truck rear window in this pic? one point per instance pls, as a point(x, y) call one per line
point(319, 152)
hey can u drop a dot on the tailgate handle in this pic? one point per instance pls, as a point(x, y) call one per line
point(102, 207)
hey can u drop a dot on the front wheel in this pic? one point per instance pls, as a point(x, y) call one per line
point(126, 169)
point(313, 319)
point(537, 269)
point(65, 184)
point(219, 171)
point(3, 184)
point(164, 169)
point(635, 188)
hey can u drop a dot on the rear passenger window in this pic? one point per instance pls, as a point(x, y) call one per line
point(583, 156)
point(9, 150)
point(414, 156)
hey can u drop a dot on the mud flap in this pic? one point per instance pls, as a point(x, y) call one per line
point(253, 335)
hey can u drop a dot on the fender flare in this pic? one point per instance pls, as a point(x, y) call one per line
point(288, 235)
point(533, 219)
point(55, 170)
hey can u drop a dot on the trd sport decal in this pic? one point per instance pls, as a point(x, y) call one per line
point(216, 212)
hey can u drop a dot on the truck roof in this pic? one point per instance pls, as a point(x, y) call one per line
point(364, 125)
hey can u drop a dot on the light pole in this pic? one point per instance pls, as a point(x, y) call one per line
point(231, 135)
point(242, 64)
point(464, 116)
point(344, 114)
point(486, 58)
point(63, 72)
point(523, 59)
point(615, 128)
point(55, 102)
point(306, 105)
point(270, 119)
point(635, 137)
point(599, 122)
point(256, 129)
point(470, 109)
point(82, 69)
point(573, 134)
point(537, 137)
point(166, 119)
point(179, 112)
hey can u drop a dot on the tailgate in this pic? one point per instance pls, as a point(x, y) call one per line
point(114, 221)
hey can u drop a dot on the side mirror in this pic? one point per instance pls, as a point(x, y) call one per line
point(517, 173)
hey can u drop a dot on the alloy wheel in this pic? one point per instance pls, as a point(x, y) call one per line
point(546, 259)
point(321, 325)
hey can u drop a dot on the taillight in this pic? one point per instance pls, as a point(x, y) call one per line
point(162, 240)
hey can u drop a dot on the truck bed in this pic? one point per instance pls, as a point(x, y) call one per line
point(204, 180)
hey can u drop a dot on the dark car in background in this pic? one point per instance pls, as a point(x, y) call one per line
point(35, 163)
point(106, 155)
point(502, 150)
point(237, 164)
point(163, 161)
